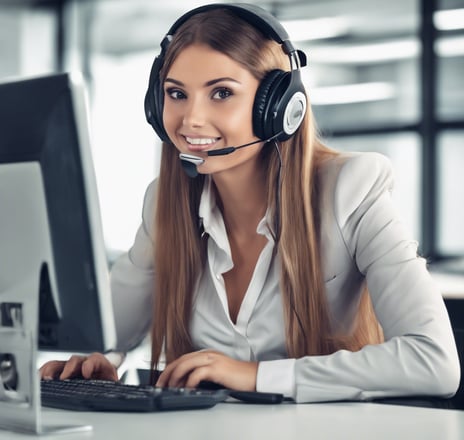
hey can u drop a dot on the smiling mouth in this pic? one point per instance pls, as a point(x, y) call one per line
point(200, 144)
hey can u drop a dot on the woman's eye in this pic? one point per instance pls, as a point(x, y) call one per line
point(175, 94)
point(222, 94)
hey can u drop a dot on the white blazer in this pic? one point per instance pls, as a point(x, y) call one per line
point(362, 238)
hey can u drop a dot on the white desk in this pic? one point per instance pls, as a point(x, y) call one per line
point(238, 421)
point(451, 285)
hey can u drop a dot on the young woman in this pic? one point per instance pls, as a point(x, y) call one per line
point(283, 266)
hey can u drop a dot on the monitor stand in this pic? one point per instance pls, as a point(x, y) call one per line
point(25, 252)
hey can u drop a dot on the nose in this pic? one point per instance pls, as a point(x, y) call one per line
point(195, 112)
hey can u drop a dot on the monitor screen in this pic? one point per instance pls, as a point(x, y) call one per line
point(50, 226)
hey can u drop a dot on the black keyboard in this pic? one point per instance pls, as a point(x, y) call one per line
point(102, 395)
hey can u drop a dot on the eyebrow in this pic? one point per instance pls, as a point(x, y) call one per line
point(207, 84)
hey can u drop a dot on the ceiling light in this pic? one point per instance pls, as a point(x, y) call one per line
point(315, 29)
point(450, 46)
point(366, 53)
point(352, 93)
point(449, 19)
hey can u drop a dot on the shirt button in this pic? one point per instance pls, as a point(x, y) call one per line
point(218, 276)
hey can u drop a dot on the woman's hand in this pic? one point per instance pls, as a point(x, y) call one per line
point(190, 369)
point(94, 366)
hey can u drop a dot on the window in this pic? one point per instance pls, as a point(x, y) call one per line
point(364, 84)
point(449, 47)
point(382, 76)
point(451, 193)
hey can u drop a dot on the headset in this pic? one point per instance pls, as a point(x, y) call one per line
point(280, 102)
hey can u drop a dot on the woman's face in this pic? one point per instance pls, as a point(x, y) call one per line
point(208, 102)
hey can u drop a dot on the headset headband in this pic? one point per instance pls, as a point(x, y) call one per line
point(256, 17)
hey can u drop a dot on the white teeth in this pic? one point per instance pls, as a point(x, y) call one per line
point(200, 141)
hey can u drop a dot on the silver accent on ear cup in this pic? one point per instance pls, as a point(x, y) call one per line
point(294, 113)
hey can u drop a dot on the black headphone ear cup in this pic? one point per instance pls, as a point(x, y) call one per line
point(280, 105)
point(264, 101)
point(154, 101)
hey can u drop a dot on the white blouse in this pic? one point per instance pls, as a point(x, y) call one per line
point(362, 238)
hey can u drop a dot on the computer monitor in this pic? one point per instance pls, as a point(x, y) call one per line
point(50, 226)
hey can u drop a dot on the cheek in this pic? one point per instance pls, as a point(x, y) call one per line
point(168, 118)
point(238, 119)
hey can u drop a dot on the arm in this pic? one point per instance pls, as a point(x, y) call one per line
point(132, 282)
point(419, 355)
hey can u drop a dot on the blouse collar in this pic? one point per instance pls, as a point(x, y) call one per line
point(213, 223)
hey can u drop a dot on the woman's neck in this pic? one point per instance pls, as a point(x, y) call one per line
point(242, 199)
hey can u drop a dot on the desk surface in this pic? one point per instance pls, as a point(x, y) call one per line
point(451, 285)
point(286, 421)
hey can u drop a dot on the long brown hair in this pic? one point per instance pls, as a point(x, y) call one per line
point(180, 249)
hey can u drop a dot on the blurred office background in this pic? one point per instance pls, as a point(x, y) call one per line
point(382, 76)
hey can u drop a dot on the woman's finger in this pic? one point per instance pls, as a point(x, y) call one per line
point(51, 370)
point(97, 366)
point(199, 374)
point(72, 367)
point(178, 371)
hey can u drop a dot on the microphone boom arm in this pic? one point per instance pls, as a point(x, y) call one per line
point(222, 151)
point(190, 161)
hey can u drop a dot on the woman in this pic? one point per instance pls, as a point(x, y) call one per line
point(282, 267)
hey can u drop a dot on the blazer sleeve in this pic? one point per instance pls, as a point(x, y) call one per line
point(419, 354)
point(132, 280)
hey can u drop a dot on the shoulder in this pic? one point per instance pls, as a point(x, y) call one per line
point(358, 168)
point(349, 180)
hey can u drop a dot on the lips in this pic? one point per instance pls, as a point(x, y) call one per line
point(198, 143)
